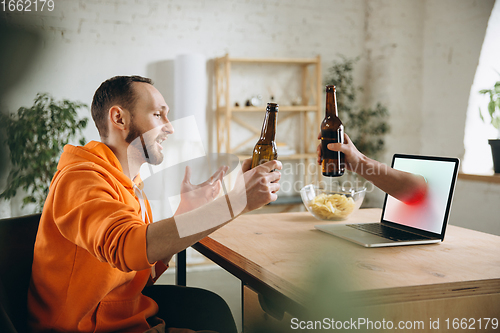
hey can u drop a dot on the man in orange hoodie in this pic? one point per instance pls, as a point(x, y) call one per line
point(96, 247)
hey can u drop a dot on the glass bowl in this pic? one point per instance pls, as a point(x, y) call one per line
point(332, 204)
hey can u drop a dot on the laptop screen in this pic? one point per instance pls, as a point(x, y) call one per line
point(431, 213)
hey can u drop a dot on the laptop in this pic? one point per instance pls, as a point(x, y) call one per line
point(405, 224)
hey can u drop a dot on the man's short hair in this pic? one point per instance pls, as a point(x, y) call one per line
point(116, 91)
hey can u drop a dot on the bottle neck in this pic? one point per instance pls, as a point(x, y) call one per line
point(331, 104)
point(268, 133)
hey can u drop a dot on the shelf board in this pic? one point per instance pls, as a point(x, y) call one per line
point(285, 108)
point(304, 61)
point(487, 178)
point(286, 157)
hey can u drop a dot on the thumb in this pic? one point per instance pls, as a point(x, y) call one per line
point(217, 187)
point(187, 175)
point(246, 165)
point(218, 174)
point(340, 146)
point(335, 146)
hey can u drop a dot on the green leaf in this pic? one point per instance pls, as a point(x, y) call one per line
point(29, 199)
point(491, 108)
point(497, 87)
point(481, 115)
point(496, 122)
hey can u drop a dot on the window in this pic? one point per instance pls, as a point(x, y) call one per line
point(477, 157)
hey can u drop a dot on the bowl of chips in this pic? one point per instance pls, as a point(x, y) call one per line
point(332, 204)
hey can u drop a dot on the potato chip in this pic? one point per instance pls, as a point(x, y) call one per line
point(330, 206)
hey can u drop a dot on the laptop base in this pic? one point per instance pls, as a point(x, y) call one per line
point(366, 239)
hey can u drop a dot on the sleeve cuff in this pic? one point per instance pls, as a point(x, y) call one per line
point(135, 249)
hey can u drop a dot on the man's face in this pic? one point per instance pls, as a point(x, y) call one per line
point(149, 125)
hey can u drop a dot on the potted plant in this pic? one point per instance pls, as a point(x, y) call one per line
point(35, 137)
point(494, 119)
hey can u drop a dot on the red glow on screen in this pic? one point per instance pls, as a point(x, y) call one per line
point(417, 197)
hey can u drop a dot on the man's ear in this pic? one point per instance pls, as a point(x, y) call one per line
point(119, 118)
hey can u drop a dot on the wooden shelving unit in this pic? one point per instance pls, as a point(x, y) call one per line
point(311, 96)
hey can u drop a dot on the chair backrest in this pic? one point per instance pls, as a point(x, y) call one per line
point(17, 240)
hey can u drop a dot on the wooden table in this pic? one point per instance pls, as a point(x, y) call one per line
point(288, 266)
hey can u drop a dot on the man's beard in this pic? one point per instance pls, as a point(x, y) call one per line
point(143, 145)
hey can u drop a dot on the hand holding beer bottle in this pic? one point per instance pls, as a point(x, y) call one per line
point(332, 131)
point(265, 149)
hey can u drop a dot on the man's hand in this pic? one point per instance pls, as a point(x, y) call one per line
point(404, 186)
point(194, 196)
point(261, 184)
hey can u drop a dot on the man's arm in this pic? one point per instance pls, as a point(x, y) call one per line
point(255, 188)
point(403, 186)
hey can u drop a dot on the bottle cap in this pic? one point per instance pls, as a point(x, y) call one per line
point(272, 107)
point(330, 88)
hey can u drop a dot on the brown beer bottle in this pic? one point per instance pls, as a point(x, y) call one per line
point(265, 149)
point(332, 131)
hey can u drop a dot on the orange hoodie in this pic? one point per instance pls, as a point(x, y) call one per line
point(90, 263)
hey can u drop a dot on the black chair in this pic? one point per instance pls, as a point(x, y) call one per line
point(17, 240)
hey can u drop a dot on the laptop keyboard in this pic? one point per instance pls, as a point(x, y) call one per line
point(387, 232)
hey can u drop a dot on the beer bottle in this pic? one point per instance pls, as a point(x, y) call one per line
point(265, 149)
point(332, 131)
